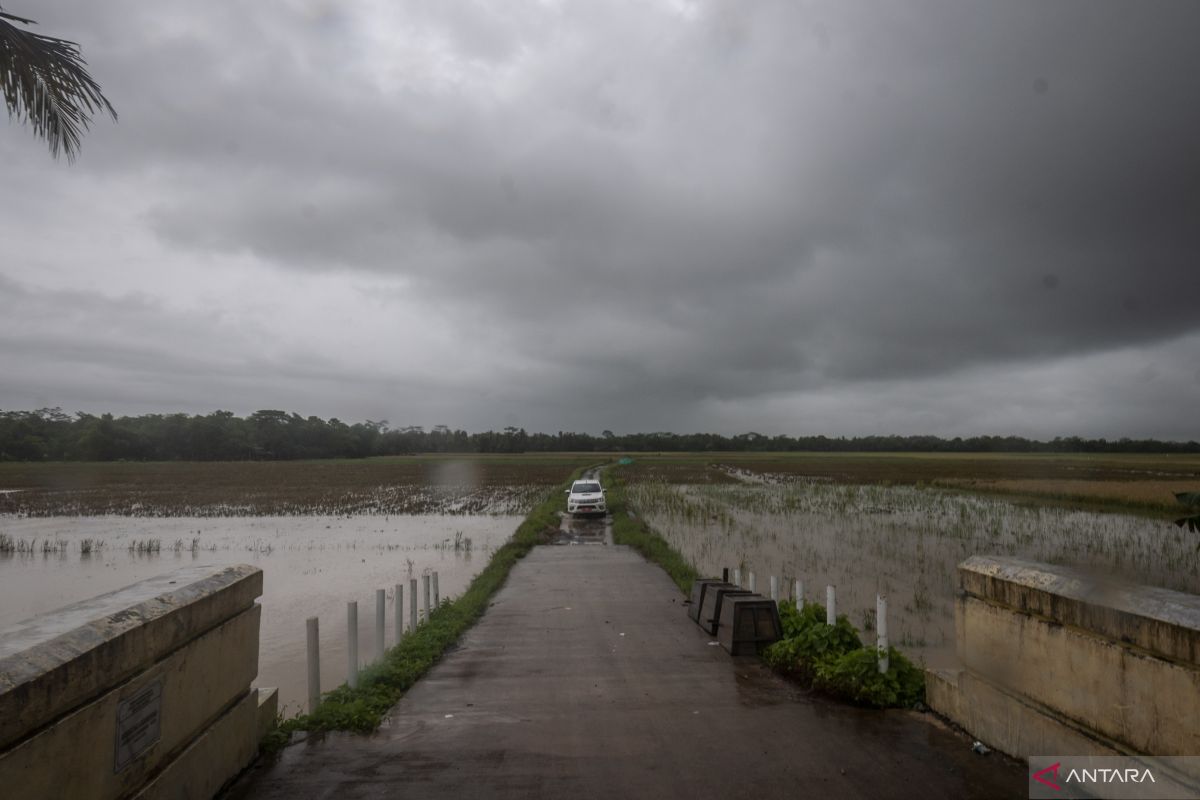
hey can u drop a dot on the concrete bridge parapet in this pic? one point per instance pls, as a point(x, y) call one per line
point(139, 693)
point(1065, 661)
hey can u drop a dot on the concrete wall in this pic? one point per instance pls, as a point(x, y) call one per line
point(1061, 661)
point(140, 693)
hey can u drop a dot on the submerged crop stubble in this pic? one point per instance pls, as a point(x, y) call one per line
point(904, 542)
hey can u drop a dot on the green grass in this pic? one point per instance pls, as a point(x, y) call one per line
point(382, 685)
point(632, 531)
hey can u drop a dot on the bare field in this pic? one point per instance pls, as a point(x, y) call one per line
point(1141, 495)
point(1143, 483)
point(402, 485)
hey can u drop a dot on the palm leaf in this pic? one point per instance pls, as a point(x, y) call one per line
point(1191, 523)
point(1190, 499)
point(46, 83)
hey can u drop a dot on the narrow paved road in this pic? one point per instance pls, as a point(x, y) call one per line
point(586, 679)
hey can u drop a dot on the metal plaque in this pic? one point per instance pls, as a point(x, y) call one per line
point(139, 718)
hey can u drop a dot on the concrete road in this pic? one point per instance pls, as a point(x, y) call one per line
point(587, 679)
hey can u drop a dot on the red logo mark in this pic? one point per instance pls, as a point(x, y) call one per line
point(1037, 776)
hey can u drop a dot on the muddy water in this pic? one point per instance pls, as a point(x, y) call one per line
point(902, 542)
point(312, 566)
point(586, 530)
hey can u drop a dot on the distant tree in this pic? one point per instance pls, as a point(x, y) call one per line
point(46, 84)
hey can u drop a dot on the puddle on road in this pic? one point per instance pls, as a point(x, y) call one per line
point(312, 566)
point(584, 530)
point(758, 686)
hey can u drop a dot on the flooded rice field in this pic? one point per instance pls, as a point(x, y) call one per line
point(312, 566)
point(904, 542)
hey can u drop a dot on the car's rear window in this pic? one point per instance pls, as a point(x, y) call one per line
point(586, 487)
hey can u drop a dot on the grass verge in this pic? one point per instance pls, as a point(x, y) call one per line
point(381, 685)
point(634, 532)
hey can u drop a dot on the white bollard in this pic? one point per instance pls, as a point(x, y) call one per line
point(881, 643)
point(314, 665)
point(737, 577)
point(830, 606)
point(399, 612)
point(751, 586)
point(380, 605)
point(425, 588)
point(798, 594)
point(352, 644)
point(412, 602)
point(437, 597)
point(774, 588)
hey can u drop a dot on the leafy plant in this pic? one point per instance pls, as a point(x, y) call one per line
point(832, 659)
point(808, 642)
point(855, 676)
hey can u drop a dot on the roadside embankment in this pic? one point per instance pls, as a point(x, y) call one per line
point(381, 685)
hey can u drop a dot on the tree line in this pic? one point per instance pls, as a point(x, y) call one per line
point(49, 434)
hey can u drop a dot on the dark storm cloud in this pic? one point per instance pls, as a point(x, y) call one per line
point(660, 212)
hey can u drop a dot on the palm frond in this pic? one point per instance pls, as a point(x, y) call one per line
point(46, 83)
point(1191, 499)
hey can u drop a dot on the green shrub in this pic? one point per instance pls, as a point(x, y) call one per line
point(855, 676)
point(832, 659)
point(808, 642)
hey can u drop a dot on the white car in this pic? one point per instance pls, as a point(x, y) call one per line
point(586, 497)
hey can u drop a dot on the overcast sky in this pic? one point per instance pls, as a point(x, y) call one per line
point(789, 217)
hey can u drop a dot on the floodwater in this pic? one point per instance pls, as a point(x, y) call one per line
point(902, 542)
point(312, 566)
point(589, 530)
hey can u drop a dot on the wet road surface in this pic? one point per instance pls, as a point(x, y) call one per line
point(586, 679)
